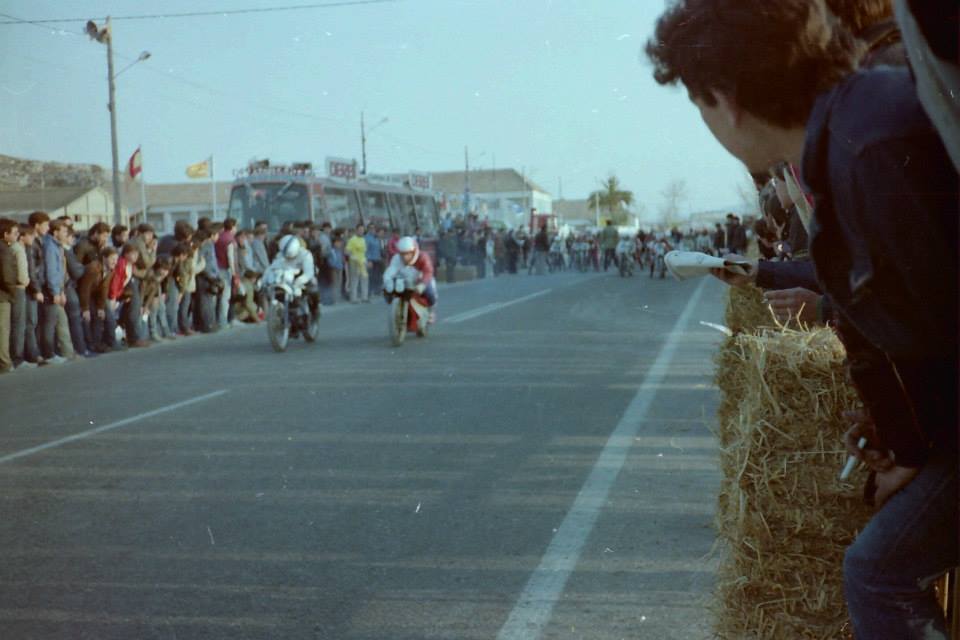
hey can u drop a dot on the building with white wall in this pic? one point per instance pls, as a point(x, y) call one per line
point(503, 195)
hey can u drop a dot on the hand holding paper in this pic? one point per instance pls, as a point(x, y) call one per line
point(692, 264)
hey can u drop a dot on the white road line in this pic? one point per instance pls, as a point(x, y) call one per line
point(107, 427)
point(532, 611)
point(490, 308)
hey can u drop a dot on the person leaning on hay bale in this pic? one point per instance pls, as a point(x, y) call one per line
point(778, 82)
point(792, 288)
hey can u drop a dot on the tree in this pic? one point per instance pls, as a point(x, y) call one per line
point(673, 195)
point(613, 200)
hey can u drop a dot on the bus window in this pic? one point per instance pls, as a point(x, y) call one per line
point(375, 208)
point(238, 209)
point(404, 215)
point(427, 215)
point(341, 208)
point(275, 203)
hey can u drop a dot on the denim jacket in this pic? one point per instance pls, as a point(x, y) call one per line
point(53, 267)
point(883, 242)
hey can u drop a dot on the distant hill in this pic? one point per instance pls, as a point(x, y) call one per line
point(19, 173)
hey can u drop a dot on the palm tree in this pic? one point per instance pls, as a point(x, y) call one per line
point(613, 199)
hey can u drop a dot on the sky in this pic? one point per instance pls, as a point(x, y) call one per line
point(560, 89)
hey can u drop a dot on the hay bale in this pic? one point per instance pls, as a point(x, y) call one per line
point(746, 312)
point(783, 515)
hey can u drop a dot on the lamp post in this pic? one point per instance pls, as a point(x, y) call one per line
point(363, 140)
point(104, 36)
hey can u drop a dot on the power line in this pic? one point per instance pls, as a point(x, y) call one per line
point(198, 14)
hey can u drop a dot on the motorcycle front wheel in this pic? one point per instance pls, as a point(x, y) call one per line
point(278, 329)
point(397, 321)
point(313, 328)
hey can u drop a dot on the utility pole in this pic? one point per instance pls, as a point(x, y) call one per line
point(363, 145)
point(117, 216)
point(466, 181)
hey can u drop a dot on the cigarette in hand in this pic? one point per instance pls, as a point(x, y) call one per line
point(852, 461)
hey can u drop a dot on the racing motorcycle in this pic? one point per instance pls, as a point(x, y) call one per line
point(289, 313)
point(409, 312)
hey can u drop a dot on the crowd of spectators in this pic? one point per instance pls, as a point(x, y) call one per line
point(848, 130)
point(66, 294)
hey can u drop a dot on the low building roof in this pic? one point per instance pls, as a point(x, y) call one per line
point(176, 194)
point(485, 181)
point(20, 201)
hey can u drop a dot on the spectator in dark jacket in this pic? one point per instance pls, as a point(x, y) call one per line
point(74, 273)
point(872, 160)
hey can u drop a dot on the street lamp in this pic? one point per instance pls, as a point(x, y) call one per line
point(144, 55)
point(363, 140)
point(104, 35)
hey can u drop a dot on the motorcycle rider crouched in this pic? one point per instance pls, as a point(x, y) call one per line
point(293, 256)
point(416, 268)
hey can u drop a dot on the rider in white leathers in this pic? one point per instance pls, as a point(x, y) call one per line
point(293, 257)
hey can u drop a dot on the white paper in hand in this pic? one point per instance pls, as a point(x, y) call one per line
point(692, 264)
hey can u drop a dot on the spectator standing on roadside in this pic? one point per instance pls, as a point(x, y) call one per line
point(541, 249)
point(119, 236)
point(358, 267)
point(258, 248)
point(146, 243)
point(37, 223)
point(208, 281)
point(74, 273)
point(225, 249)
point(87, 294)
point(9, 233)
point(336, 263)
point(88, 248)
point(187, 283)
point(609, 240)
point(55, 331)
point(104, 320)
point(375, 259)
point(120, 295)
point(153, 299)
point(719, 240)
point(18, 310)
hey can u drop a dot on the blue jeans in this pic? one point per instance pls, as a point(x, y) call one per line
point(889, 569)
point(183, 313)
point(173, 293)
point(131, 314)
point(31, 350)
point(75, 318)
point(103, 331)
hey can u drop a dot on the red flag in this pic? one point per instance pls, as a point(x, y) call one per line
point(134, 167)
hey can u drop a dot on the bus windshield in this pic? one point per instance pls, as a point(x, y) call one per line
point(275, 203)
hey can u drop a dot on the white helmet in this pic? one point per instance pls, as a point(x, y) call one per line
point(290, 247)
point(406, 245)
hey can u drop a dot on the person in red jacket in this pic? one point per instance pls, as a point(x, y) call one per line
point(121, 277)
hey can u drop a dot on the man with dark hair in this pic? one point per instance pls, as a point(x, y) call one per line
point(119, 236)
point(88, 248)
point(609, 238)
point(226, 253)
point(872, 160)
point(9, 233)
point(75, 271)
point(55, 331)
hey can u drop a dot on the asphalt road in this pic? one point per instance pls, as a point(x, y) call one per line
point(541, 466)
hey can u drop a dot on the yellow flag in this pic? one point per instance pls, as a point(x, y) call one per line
point(199, 170)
